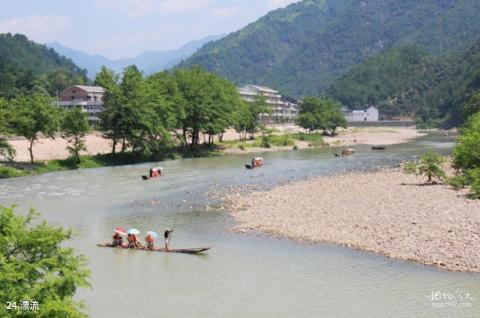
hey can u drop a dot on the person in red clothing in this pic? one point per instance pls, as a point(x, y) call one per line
point(117, 240)
point(149, 241)
point(131, 241)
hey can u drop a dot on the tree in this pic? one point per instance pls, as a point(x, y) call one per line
point(208, 100)
point(246, 118)
point(321, 114)
point(429, 165)
point(34, 115)
point(74, 128)
point(258, 108)
point(6, 150)
point(241, 119)
point(36, 267)
point(112, 114)
point(472, 106)
point(308, 121)
point(466, 154)
point(473, 177)
point(136, 114)
point(335, 119)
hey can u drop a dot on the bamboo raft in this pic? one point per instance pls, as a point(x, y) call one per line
point(198, 250)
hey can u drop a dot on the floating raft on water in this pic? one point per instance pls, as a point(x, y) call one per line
point(162, 250)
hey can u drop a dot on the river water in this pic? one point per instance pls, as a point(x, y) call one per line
point(243, 275)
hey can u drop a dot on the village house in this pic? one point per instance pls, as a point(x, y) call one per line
point(88, 98)
point(282, 108)
point(371, 114)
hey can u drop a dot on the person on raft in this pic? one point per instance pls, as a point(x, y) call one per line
point(133, 242)
point(149, 241)
point(117, 240)
point(167, 235)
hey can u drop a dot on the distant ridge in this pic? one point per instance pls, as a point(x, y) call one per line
point(26, 66)
point(304, 47)
point(149, 62)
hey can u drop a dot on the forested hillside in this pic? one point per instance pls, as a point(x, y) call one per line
point(406, 80)
point(303, 48)
point(26, 67)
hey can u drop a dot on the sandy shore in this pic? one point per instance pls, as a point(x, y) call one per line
point(346, 137)
point(386, 212)
point(48, 149)
point(374, 136)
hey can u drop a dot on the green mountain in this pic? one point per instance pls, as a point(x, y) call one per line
point(26, 66)
point(395, 81)
point(448, 100)
point(304, 47)
point(407, 81)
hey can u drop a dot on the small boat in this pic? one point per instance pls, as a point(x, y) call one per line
point(256, 162)
point(348, 152)
point(336, 155)
point(159, 249)
point(378, 147)
point(156, 172)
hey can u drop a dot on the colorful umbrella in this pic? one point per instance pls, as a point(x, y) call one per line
point(133, 231)
point(120, 230)
point(153, 234)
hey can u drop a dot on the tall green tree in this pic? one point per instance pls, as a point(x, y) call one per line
point(112, 115)
point(472, 106)
point(321, 114)
point(6, 150)
point(241, 119)
point(466, 153)
point(137, 115)
point(34, 115)
point(208, 100)
point(35, 266)
point(247, 117)
point(74, 128)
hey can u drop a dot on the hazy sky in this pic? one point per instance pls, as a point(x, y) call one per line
point(125, 28)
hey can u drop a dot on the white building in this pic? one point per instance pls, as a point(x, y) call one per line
point(371, 114)
point(88, 98)
point(282, 108)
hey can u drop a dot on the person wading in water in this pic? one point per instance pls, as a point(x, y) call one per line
point(167, 235)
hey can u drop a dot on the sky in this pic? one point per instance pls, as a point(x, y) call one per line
point(126, 28)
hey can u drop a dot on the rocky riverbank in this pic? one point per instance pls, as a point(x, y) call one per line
point(386, 212)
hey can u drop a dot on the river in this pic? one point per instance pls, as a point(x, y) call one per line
point(243, 275)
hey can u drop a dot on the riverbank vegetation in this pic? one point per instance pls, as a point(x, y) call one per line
point(406, 80)
point(37, 269)
point(161, 116)
point(321, 114)
point(465, 161)
point(466, 156)
point(270, 139)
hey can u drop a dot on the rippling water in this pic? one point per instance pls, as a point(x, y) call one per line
point(243, 275)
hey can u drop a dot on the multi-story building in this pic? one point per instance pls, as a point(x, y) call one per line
point(88, 98)
point(371, 114)
point(281, 108)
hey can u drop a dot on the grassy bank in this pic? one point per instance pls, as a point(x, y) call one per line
point(287, 140)
point(15, 169)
